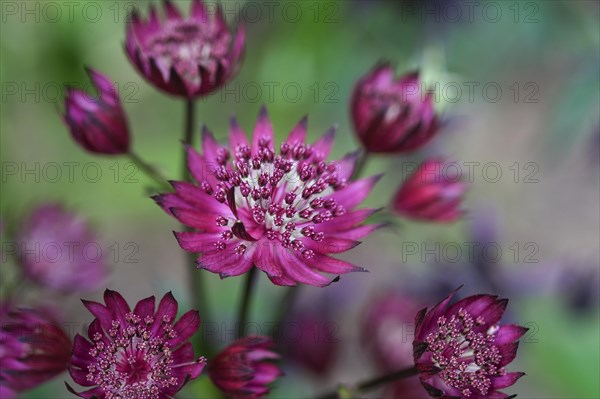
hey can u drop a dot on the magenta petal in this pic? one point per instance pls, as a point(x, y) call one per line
point(328, 264)
point(101, 313)
point(508, 352)
point(200, 169)
point(298, 133)
point(116, 304)
point(195, 219)
point(210, 147)
point(237, 137)
point(323, 145)
point(199, 11)
point(145, 307)
point(510, 333)
point(171, 10)
point(197, 242)
point(187, 326)
point(167, 310)
point(506, 380)
point(263, 131)
point(298, 270)
point(355, 192)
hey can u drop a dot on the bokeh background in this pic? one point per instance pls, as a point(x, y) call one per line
point(542, 131)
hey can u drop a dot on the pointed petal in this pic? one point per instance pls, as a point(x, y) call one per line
point(237, 137)
point(298, 133)
point(263, 131)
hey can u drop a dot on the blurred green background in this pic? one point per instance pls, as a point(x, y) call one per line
point(544, 55)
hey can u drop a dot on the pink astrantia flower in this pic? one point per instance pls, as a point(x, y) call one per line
point(284, 213)
point(431, 194)
point(392, 115)
point(59, 250)
point(33, 349)
point(185, 57)
point(244, 369)
point(460, 350)
point(97, 123)
point(135, 354)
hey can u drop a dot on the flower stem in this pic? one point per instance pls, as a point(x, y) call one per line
point(188, 138)
point(149, 170)
point(196, 280)
point(361, 164)
point(245, 302)
point(376, 382)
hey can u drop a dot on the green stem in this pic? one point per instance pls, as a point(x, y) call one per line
point(376, 382)
point(149, 170)
point(245, 302)
point(196, 280)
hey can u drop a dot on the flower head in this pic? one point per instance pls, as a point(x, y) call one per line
point(185, 57)
point(284, 213)
point(392, 116)
point(33, 349)
point(461, 351)
point(430, 194)
point(98, 123)
point(135, 354)
point(60, 251)
point(244, 369)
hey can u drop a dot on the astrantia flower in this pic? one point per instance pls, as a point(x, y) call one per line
point(33, 349)
point(97, 123)
point(135, 354)
point(282, 212)
point(430, 194)
point(59, 250)
point(460, 350)
point(186, 57)
point(244, 369)
point(392, 116)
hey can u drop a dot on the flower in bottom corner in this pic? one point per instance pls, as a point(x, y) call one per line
point(139, 353)
point(461, 351)
point(33, 349)
point(244, 369)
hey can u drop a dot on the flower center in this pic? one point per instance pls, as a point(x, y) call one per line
point(281, 197)
point(466, 356)
point(133, 363)
point(187, 45)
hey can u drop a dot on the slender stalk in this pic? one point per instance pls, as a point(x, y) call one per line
point(149, 170)
point(196, 280)
point(188, 138)
point(245, 302)
point(376, 382)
